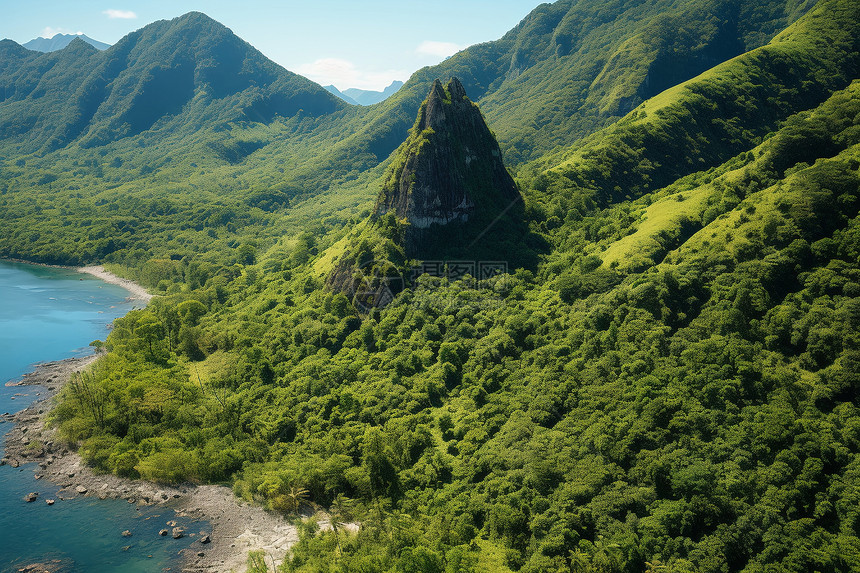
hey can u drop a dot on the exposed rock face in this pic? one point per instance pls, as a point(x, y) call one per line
point(445, 188)
point(448, 169)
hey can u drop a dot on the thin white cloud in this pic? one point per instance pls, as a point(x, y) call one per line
point(438, 49)
point(120, 14)
point(50, 32)
point(344, 74)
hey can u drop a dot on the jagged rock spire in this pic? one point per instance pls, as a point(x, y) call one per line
point(449, 168)
point(446, 187)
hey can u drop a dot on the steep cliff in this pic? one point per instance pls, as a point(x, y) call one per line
point(448, 171)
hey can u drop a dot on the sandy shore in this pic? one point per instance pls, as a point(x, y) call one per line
point(234, 527)
point(137, 291)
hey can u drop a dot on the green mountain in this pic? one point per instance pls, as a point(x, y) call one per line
point(448, 175)
point(168, 77)
point(703, 122)
point(216, 137)
point(573, 66)
point(182, 105)
point(668, 383)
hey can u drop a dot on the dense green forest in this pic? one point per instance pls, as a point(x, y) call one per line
point(668, 379)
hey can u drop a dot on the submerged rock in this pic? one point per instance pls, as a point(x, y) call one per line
point(54, 566)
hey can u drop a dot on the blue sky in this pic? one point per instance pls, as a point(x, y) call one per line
point(365, 44)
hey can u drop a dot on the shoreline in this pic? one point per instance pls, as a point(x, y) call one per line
point(234, 526)
point(136, 291)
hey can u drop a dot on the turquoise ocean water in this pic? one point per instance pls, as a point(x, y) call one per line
point(49, 314)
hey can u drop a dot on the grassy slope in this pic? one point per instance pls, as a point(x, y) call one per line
point(666, 214)
point(686, 204)
point(685, 129)
point(698, 213)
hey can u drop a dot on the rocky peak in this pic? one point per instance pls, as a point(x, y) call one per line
point(448, 171)
point(446, 196)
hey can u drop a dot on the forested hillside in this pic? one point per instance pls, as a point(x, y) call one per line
point(669, 384)
point(186, 113)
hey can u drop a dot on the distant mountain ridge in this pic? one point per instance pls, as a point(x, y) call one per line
point(187, 96)
point(333, 90)
point(569, 68)
point(357, 96)
point(532, 84)
point(369, 97)
point(60, 41)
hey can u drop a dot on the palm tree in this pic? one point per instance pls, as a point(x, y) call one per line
point(579, 561)
point(297, 496)
point(257, 562)
point(339, 515)
point(655, 566)
point(607, 556)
